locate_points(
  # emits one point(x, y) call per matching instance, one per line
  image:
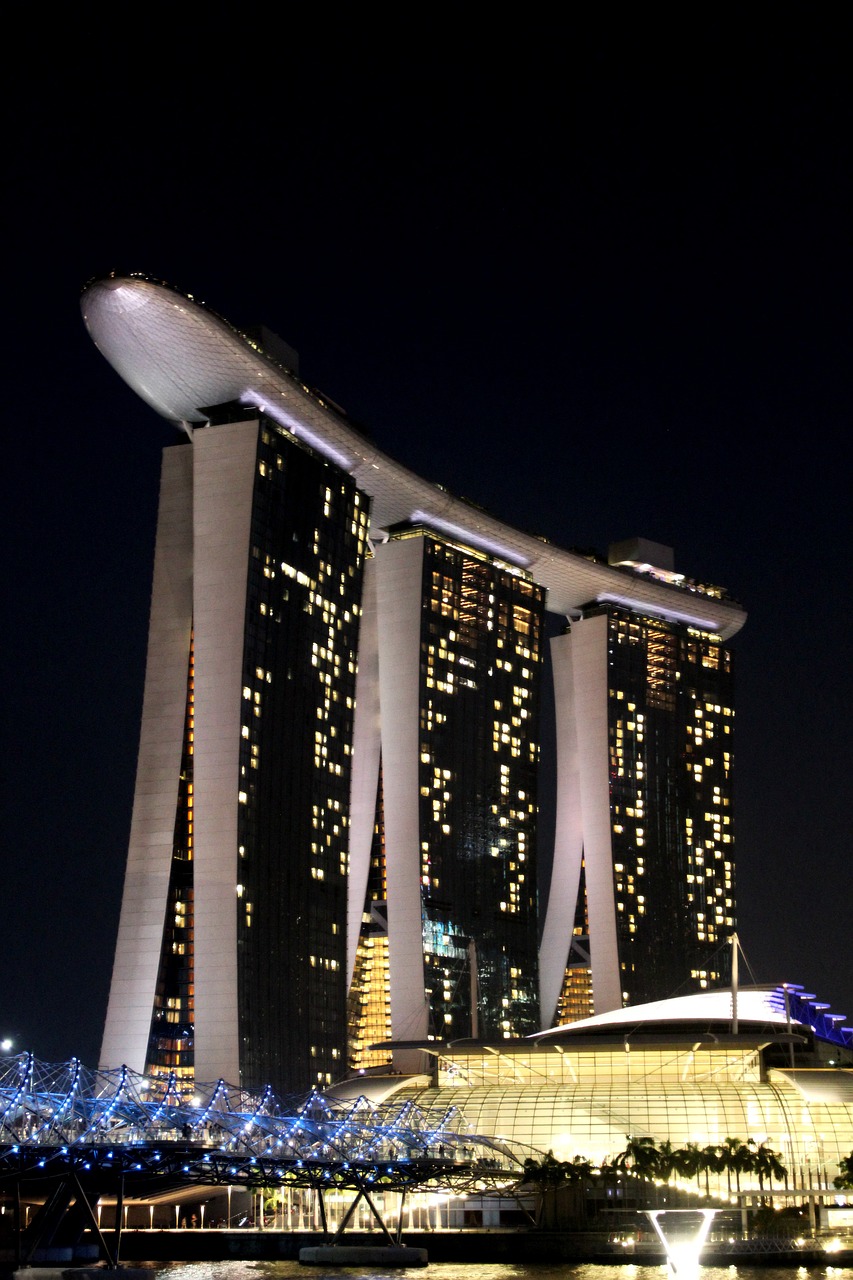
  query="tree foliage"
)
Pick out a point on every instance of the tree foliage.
point(661, 1162)
point(551, 1172)
point(844, 1181)
point(644, 1158)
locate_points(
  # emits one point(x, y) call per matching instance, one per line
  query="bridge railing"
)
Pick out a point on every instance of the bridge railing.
point(66, 1105)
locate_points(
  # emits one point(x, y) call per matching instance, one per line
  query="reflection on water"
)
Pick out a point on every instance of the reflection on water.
point(488, 1271)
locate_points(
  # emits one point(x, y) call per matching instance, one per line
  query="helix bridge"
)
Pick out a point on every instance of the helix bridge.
point(77, 1134)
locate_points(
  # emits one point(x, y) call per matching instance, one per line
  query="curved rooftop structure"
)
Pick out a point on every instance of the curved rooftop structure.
point(754, 1005)
point(182, 359)
point(775, 1007)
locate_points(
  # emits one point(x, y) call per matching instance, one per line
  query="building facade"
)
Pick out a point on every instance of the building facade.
point(264, 633)
point(334, 838)
point(672, 1072)
point(448, 717)
point(646, 716)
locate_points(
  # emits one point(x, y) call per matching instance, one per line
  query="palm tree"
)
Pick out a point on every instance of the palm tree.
point(727, 1156)
point(582, 1169)
point(713, 1161)
point(640, 1155)
point(737, 1158)
point(639, 1158)
point(844, 1181)
point(688, 1161)
point(768, 1165)
point(544, 1174)
point(667, 1161)
point(549, 1174)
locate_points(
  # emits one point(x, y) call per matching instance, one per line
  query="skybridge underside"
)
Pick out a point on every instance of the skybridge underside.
point(63, 1180)
point(148, 1171)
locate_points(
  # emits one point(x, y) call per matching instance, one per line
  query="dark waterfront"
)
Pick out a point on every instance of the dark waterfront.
point(480, 1271)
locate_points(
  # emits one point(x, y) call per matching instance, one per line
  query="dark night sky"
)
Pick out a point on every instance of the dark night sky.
point(596, 278)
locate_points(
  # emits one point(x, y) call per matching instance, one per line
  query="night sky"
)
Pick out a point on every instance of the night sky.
point(596, 278)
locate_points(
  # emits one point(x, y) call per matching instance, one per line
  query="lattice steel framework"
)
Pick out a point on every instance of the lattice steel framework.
point(66, 1114)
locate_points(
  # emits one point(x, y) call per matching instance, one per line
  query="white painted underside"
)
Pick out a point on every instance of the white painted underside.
point(181, 358)
point(753, 1005)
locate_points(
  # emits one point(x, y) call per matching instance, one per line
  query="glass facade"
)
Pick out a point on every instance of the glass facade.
point(170, 1042)
point(369, 1009)
point(575, 1000)
point(308, 540)
point(584, 1100)
point(481, 623)
point(481, 635)
point(670, 726)
point(658, 805)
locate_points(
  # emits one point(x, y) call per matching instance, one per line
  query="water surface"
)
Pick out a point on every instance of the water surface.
point(484, 1271)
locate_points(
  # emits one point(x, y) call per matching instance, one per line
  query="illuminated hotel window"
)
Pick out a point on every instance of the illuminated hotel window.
point(481, 639)
point(301, 642)
point(171, 1037)
point(677, 684)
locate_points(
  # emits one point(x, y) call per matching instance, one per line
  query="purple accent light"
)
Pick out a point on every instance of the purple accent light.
point(297, 428)
point(656, 610)
point(476, 539)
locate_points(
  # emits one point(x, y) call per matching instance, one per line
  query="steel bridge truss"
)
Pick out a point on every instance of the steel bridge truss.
point(81, 1134)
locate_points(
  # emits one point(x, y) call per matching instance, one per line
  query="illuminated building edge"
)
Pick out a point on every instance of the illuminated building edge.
point(672, 1070)
point(178, 356)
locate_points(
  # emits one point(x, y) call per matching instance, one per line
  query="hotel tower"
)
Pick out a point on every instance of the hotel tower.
point(333, 848)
